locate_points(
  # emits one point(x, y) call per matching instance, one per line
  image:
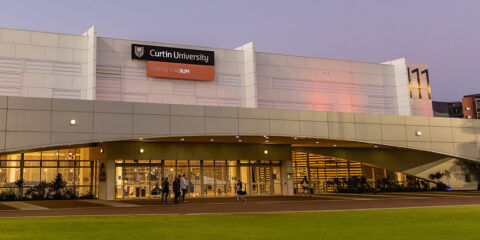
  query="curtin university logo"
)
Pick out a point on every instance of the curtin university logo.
point(139, 51)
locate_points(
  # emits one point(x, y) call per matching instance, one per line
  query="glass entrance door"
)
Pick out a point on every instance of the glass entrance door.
point(135, 182)
point(261, 180)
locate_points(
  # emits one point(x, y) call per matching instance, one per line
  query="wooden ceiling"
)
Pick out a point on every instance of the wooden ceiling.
point(295, 142)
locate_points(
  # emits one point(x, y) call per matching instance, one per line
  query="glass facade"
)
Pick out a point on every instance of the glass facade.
point(75, 165)
point(205, 178)
point(320, 169)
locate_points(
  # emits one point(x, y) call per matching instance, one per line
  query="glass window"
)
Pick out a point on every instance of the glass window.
point(207, 162)
point(14, 157)
point(194, 162)
point(82, 153)
point(68, 175)
point(49, 163)
point(67, 154)
point(67, 163)
point(220, 163)
point(170, 163)
point(8, 176)
point(31, 176)
point(50, 155)
point(32, 156)
point(48, 174)
point(32, 164)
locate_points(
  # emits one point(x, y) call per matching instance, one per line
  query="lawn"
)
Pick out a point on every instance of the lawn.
point(415, 223)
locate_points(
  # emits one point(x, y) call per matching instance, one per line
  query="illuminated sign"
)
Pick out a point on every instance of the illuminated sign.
point(178, 63)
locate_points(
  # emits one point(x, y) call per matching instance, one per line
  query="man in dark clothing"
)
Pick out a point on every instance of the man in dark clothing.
point(165, 190)
point(176, 189)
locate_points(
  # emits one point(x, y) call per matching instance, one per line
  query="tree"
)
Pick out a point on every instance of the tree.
point(20, 183)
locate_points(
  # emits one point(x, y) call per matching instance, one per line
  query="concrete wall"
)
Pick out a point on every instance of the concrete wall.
point(40, 122)
point(294, 82)
point(120, 78)
point(40, 64)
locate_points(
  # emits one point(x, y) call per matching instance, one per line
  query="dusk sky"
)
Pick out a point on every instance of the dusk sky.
point(443, 34)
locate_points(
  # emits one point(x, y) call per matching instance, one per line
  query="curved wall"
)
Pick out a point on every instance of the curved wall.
point(27, 123)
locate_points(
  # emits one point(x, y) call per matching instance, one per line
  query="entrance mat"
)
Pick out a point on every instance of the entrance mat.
point(55, 204)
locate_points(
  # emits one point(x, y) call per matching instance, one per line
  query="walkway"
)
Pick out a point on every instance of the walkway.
point(328, 201)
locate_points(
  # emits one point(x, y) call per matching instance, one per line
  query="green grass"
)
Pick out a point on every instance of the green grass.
point(416, 223)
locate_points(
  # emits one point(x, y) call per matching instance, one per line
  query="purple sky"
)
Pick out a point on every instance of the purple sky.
point(443, 34)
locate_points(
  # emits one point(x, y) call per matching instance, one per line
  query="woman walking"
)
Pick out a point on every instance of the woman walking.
point(239, 192)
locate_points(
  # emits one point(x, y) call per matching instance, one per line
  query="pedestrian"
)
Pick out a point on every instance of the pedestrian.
point(305, 184)
point(176, 189)
point(240, 192)
point(165, 190)
point(183, 186)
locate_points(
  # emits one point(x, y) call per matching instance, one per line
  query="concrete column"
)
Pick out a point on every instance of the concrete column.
point(287, 177)
point(106, 189)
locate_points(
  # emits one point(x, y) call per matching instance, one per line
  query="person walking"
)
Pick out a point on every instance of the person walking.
point(183, 186)
point(176, 189)
point(305, 184)
point(165, 190)
point(239, 191)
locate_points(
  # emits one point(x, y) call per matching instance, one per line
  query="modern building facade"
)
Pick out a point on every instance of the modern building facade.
point(471, 106)
point(115, 116)
point(447, 109)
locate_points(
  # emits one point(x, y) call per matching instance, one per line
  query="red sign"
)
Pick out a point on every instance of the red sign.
point(180, 71)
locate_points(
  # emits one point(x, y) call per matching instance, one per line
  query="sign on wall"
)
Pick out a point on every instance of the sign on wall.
point(179, 63)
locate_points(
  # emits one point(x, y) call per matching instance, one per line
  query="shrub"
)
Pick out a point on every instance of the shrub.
point(88, 195)
point(8, 196)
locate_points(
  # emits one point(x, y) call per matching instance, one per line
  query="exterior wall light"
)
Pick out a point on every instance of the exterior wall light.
point(376, 146)
point(237, 136)
point(239, 140)
point(418, 133)
point(265, 151)
point(141, 150)
point(211, 140)
point(101, 150)
point(334, 145)
point(73, 122)
point(316, 142)
point(266, 141)
point(181, 139)
point(295, 138)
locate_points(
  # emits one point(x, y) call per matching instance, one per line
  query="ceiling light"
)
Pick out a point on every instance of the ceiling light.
point(418, 133)
point(265, 151)
point(73, 122)
point(237, 136)
point(141, 150)
point(266, 137)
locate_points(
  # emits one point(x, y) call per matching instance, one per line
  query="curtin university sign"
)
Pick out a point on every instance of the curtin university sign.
point(173, 55)
point(178, 63)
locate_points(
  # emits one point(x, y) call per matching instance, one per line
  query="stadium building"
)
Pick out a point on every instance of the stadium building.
point(114, 116)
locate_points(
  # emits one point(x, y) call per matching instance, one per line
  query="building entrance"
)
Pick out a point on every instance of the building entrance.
point(205, 178)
